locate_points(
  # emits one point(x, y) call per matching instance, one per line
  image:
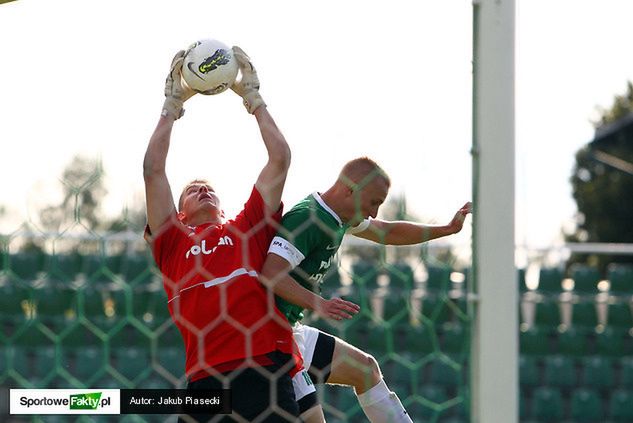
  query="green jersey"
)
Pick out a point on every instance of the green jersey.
point(310, 235)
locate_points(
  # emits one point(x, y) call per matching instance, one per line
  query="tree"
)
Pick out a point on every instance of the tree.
point(602, 188)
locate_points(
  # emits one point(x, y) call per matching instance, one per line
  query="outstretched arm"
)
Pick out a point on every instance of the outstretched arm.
point(275, 275)
point(272, 178)
point(408, 233)
point(159, 199)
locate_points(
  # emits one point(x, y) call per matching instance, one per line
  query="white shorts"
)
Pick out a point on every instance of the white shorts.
point(306, 338)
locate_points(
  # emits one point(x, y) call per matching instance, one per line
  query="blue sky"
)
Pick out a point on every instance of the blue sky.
point(343, 79)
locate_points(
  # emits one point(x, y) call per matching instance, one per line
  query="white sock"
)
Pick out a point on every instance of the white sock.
point(383, 406)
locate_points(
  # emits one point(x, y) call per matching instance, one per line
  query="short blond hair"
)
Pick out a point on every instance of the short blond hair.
point(361, 171)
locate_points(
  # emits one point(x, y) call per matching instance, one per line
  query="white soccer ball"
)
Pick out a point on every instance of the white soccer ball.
point(209, 67)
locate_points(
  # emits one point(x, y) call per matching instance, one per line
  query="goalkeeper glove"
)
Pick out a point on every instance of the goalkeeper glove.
point(175, 93)
point(248, 86)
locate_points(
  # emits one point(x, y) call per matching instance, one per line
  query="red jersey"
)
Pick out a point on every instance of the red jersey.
point(210, 274)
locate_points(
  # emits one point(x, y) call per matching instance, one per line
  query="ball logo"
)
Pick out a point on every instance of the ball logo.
point(219, 58)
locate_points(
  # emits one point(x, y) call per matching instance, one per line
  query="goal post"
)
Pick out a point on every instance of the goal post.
point(494, 352)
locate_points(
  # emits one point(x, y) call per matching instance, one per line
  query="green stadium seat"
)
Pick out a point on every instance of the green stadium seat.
point(547, 404)
point(550, 281)
point(400, 277)
point(573, 341)
point(56, 303)
point(347, 402)
point(16, 302)
point(138, 269)
point(395, 308)
point(620, 409)
point(559, 371)
point(446, 374)
point(365, 274)
point(547, 314)
point(534, 341)
point(428, 405)
point(437, 309)
point(454, 339)
point(131, 362)
point(597, 372)
point(63, 267)
point(420, 340)
point(621, 279)
point(439, 278)
point(528, 371)
point(586, 406)
point(610, 342)
point(171, 359)
point(87, 362)
point(523, 288)
point(379, 340)
point(16, 359)
point(620, 315)
point(626, 372)
point(26, 266)
point(585, 278)
point(44, 361)
point(584, 314)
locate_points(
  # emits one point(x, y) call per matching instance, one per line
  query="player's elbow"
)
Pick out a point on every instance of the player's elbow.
point(282, 157)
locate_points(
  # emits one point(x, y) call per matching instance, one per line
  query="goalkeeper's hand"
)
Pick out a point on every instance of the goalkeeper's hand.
point(175, 92)
point(248, 86)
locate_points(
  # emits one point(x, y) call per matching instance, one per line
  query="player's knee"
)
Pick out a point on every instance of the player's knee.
point(370, 374)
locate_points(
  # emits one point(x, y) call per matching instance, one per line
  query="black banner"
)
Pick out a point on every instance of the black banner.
point(175, 401)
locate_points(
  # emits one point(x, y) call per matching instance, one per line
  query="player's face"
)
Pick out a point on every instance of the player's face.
point(368, 199)
point(199, 198)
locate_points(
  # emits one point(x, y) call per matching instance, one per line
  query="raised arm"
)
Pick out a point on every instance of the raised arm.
point(408, 233)
point(158, 195)
point(275, 275)
point(272, 178)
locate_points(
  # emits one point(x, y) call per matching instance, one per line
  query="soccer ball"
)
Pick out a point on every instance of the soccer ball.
point(209, 67)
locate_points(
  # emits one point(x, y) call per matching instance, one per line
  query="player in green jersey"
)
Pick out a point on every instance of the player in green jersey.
point(303, 250)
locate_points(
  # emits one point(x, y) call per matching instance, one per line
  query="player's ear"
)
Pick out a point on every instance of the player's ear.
point(181, 217)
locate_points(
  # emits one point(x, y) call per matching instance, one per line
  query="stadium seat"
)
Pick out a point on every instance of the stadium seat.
point(586, 406)
point(597, 372)
point(439, 278)
point(620, 315)
point(620, 409)
point(445, 374)
point(63, 267)
point(550, 281)
point(534, 341)
point(523, 288)
point(16, 359)
point(43, 361)
point(559, 371)
point(547, 315)
point(26, 266)
point(528, 371)
point(626, 372)
point(610, 342)
point(379, 340)
point(573, 341)
point(16, 302)
point(429, 403)
point(89, 362)
point(137, 269)
point(620, 277)
point(56, 303)
point(584, 314)
point(585, 278)
point(395, 307)
point(420, 339)
point(131, 362)
point(171, 359)
point(454, 339)
point(365, 274)
point(547, 404)
point(437, 309)
point(400, 277)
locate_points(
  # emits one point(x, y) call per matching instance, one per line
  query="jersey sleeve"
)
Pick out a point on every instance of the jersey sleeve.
point(362, 226)
point(253, 220)
point(165, 239)
point(297, 237)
